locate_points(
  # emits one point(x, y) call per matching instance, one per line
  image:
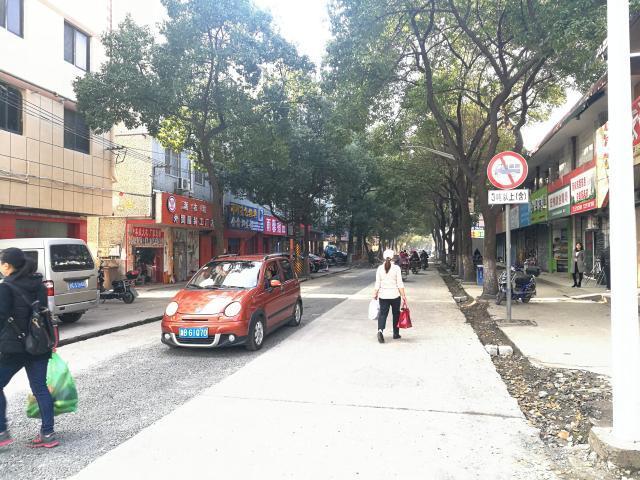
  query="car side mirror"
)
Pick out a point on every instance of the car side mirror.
point(275, 284)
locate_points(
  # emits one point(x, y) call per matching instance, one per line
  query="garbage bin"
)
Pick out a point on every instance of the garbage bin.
point(480, 275)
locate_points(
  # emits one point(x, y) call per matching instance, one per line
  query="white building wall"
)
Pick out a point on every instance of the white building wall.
point(38, 56)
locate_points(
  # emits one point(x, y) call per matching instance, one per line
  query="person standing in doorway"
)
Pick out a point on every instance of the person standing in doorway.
point(578, 265)
point(389, 290)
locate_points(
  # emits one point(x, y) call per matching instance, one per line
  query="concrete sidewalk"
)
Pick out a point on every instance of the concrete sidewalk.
point(332, 403)
point(558, 328)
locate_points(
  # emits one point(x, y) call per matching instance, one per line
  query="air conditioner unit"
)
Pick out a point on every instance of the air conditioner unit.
point(184, 184)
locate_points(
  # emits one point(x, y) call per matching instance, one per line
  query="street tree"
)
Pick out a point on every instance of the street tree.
point(484, 67)
point(191, 85)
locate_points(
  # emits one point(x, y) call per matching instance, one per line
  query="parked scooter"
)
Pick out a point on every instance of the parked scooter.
point(120, 289)
point(523, 286)
point(531, 265)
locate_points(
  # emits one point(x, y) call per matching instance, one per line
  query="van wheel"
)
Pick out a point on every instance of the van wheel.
point(255, 339)
point(70, 317)
point(297, 315)
point(128, 297)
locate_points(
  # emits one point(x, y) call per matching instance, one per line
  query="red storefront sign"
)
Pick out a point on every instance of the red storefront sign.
point(185, 212)
point(273, 226)
point(145, 236)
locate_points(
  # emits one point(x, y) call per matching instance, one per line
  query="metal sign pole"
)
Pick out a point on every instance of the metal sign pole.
point(625, 335)
point(508, 260)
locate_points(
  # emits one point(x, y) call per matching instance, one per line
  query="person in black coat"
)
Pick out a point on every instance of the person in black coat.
point(18, 270)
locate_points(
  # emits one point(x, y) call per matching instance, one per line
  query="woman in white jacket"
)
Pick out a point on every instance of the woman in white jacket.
point(389, 290)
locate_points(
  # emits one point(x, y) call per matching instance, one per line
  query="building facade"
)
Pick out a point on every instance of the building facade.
point(54, 173)
point(162, 212)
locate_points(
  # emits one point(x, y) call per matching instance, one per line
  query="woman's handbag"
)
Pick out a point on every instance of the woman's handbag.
point(374, 309)
point(405, 317)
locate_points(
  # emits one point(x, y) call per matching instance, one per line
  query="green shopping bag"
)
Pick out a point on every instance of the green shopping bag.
point(62, 388)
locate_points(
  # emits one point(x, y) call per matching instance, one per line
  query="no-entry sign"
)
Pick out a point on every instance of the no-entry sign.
point(507, 170)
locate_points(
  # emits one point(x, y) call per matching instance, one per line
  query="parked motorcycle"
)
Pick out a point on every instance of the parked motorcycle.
point(531, 266)
point(120, 289)
point(523, 286)
point(415, 266)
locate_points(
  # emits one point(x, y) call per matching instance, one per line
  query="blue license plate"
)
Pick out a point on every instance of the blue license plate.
point(77, 284)
point(199, 332)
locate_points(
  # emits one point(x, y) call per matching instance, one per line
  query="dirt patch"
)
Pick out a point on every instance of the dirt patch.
point(562, 404)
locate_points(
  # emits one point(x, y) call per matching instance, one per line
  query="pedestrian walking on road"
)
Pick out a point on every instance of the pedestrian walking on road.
point(389, 290)
point(578, 265)
point(20, 271)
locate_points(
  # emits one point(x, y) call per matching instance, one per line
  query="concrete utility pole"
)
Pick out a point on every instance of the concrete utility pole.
point(625, 333)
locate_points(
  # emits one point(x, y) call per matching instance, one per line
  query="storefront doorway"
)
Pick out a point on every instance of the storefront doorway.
point(150, 261)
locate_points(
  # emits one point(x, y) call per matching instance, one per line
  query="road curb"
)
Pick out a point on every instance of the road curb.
point(107, 331)
point(326, 274)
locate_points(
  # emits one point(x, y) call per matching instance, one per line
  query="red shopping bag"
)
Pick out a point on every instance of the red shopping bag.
point(405, 317)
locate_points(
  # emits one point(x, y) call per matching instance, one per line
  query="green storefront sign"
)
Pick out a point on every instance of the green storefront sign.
point(559, 203)
point(539, 212)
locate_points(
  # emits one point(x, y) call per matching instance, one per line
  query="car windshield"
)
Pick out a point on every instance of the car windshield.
point(227, 274)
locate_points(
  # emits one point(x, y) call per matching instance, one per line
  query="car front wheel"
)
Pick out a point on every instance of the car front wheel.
point(256, 334)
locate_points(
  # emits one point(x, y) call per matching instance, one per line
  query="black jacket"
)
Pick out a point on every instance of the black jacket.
point(12, 305)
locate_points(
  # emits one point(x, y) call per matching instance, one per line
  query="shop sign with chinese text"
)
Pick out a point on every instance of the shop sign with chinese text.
point(602, 164)
point(273, 226)
point(559, 202)
point(140, 236)
point(514, 217)
point(525, 214)
point(477, 229)
point(539, 212)
point(583, 192)
point(184, 212)
point(245, 217)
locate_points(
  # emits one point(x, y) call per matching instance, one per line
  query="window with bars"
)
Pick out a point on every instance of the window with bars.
point(171, 162)
point(10, 108)
point(11, 16)
point(198, 176)
point(76, 132)
point(76, 47)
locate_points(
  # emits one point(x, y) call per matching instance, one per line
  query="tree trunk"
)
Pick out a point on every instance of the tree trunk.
point(350, 241)
point(466, 268)
point(218, 208)
point(489, 255)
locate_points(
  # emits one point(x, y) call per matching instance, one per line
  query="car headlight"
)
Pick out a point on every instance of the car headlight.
point(232, 309)
point(171, 309)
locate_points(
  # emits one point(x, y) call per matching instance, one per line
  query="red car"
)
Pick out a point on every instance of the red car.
point(234, 300)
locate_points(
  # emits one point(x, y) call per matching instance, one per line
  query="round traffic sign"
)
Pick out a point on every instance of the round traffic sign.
point(507, 170)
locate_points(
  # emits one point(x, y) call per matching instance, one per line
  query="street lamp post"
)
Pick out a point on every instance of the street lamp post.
point(625, 332)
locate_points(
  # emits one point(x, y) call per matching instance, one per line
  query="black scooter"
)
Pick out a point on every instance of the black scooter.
point(120, 289)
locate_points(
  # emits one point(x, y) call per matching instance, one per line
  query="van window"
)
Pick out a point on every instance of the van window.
point(70, 258)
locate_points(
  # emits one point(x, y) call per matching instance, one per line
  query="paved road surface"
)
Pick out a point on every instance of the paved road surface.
point(128, 380)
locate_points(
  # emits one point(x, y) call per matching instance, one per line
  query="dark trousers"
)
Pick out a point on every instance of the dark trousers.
point(577, 276)
point(394, 303)
point(37, 374)
point(607, 273)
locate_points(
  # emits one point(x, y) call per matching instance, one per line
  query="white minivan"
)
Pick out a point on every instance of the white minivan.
point(69, 272)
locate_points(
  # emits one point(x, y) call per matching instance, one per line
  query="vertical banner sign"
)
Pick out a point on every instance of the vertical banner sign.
point(559, 202)
point(602, 164)
point(635, 112)
point(539, 212)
